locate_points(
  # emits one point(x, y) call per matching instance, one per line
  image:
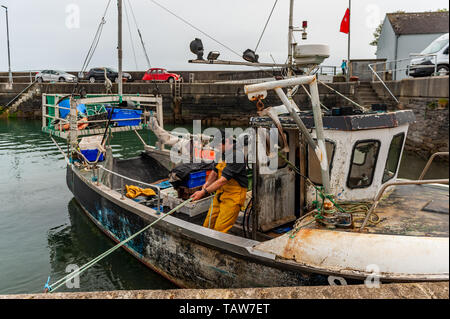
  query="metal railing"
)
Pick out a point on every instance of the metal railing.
point(420, 181)
point(381, 80)
point(327, 70)
point(418, 66)
point(427, 166)
point(18, 95)
point(387, 185)
point(122, 178)
point(59, 125)
point(387, 70)
point(30, 76)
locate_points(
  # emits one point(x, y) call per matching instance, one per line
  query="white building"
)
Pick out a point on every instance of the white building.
point(403, 34)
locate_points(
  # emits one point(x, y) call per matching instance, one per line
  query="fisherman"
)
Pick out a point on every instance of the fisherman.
point(229, 181)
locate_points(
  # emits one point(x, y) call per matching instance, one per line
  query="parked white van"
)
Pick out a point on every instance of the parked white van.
point(437, 50)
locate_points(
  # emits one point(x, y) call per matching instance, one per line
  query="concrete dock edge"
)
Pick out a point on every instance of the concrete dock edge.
point(437, 290)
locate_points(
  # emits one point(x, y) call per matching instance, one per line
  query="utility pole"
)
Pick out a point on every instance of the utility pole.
point(119, 49)
point(349, 28)
point(9, 55)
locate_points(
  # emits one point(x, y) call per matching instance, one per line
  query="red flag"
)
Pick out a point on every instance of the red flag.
point(345, 24)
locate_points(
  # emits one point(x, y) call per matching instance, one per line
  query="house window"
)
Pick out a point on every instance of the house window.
point(393, 158)
point(362, 167)
point(314, 171)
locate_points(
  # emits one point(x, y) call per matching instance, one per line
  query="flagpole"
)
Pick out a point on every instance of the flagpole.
point(349, 27)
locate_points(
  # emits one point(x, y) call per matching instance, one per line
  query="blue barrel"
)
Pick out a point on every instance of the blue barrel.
point(66, 104)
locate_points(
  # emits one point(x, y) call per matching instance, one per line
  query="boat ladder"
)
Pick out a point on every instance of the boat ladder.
point(177, 89)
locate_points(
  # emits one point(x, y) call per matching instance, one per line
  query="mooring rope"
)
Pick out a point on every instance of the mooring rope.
point(362, 108)
point(265, 26)
point(59, 283)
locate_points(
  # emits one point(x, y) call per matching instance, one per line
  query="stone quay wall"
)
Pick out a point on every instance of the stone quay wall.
point(219, 104)
point(428, 98)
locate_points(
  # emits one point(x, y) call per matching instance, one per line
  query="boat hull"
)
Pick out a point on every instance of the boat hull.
point(186, 261)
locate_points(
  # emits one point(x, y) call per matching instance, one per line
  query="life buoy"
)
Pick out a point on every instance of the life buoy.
point(82, 124)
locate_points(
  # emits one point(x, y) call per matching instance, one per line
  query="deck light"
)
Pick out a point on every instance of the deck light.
point(213, 55)
point(197, 48)
point(250, 56)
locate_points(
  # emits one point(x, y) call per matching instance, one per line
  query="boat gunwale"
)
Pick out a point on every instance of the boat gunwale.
point(238, 246)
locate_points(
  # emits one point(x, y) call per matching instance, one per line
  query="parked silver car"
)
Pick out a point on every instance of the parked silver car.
point(55, 76)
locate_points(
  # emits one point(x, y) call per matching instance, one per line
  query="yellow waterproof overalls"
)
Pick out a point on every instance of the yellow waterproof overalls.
point(227, 203)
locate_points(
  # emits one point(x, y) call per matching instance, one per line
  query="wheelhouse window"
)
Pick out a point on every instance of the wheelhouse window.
point(362, 167)
point(393, 159)
point(314, 171)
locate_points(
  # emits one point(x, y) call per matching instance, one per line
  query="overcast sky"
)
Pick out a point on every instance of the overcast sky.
point(58, 33)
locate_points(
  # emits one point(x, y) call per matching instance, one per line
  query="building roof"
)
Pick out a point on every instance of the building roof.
point(419, 22)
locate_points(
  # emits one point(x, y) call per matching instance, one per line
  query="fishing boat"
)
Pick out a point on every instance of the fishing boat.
point(325, 205)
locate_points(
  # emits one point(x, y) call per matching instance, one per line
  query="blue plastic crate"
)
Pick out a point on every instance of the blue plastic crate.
point(91, 155)
point(196, 179)
point(121, 114)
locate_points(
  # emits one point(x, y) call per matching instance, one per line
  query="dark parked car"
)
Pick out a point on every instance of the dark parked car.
point(98, 74)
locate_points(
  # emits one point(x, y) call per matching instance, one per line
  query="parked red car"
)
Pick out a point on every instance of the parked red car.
point(157, 74)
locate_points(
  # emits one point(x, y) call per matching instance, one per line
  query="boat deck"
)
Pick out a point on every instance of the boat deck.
point(412, 210)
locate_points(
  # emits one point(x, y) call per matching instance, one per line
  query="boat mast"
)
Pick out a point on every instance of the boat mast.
point(119, 48)
point(318, 122)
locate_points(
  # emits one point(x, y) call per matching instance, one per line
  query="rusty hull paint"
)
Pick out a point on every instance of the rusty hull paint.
point(406, 235)
point(350, 253)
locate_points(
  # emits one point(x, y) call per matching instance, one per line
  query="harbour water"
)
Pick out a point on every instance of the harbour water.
point(43, 230)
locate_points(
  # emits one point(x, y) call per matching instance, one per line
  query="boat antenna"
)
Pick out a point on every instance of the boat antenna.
point(290, 37)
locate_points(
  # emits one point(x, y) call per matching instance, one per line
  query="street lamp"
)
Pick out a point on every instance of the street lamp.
point(9, 56)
